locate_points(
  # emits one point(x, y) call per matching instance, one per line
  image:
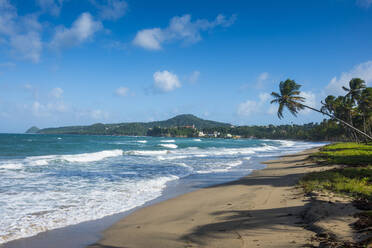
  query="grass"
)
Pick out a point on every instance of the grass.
point(354, 180)
point(345, 154)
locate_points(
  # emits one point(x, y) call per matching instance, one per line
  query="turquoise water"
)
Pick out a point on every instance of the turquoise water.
point(52, 181)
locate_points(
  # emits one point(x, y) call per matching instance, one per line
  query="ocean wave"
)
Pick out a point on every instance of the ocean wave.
point(147, 152)
point(168, 141)
point(287, 143)
point(226, 167)
point(67, 209)
point(142, 141)
point(172, 146)
point(161, 158)
point(200, 152)
point(46, 160)
point(197, 140)
point(11, 166)
point(91, 157)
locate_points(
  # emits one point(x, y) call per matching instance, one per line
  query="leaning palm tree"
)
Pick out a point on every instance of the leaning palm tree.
point(365, 106)
point(289, 97)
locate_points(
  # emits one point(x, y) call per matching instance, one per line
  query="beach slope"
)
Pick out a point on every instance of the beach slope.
point(264, 209)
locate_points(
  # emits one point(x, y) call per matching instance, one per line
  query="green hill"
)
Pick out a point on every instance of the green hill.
point(135, 128)
point(33, 130)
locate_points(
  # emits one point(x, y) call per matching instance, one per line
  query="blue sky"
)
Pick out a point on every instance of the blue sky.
point(70, 62)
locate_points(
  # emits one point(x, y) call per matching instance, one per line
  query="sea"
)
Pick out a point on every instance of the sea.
point(53, 181)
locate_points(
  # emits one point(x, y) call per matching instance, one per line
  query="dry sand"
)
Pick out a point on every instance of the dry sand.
point(264, 209)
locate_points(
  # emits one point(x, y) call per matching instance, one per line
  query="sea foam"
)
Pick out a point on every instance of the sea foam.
point(172, 146)
point(168, 141)
point(53, 209)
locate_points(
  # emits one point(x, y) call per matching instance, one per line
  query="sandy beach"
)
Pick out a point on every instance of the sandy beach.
point(264, 209)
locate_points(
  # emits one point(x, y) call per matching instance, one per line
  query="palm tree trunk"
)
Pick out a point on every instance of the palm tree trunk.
point(342, 121)
point(353, 133)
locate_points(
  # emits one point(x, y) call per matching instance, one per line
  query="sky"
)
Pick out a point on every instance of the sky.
point(79, 62)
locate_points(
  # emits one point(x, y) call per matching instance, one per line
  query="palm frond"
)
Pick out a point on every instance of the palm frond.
point(280, 111)
point(274, 94)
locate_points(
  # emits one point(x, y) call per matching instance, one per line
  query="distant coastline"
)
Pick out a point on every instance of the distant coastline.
point(191, 126)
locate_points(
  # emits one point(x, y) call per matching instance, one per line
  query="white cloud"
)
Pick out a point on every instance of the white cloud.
point(272, 109)
point(166, 81)
point(98, 114)
point(28, 86)
point(56, 92)
point(363, 71)
point(20, 33)
point(263, 76)
point(27, 46)
point(194, 77)
point(112, 10)
point(247, 108)
point(264, 97)
point(122, 91)
point(46, 110)
point(51, 6)
point(250, 107)
point(364, 3)
point(37, 108)
point(259, 84)
point(150, 39)
point(310, 100)
point(83, 29)
point(179, 28)
point(261, 79)
point(8, 16)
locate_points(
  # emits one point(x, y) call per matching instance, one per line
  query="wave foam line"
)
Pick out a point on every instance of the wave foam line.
point(73, 158)
point(172, 146)
point(92, 157)
point(168, 141)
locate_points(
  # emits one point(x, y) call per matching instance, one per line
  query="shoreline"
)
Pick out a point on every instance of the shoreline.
point(85, 233)
point(263, 209)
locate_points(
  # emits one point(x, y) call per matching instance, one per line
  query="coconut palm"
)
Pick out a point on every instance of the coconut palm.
point(329, 105)
point(289, 97)
point(365, 106)
point(356, 86)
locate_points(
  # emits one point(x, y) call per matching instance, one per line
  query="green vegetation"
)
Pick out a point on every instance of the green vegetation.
point(327, 130)
point(32, 130)
point(172, 132)
point(355, 179)
point(356, 182)
point(345, 154)
point(353, 111)
point(135, 128)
